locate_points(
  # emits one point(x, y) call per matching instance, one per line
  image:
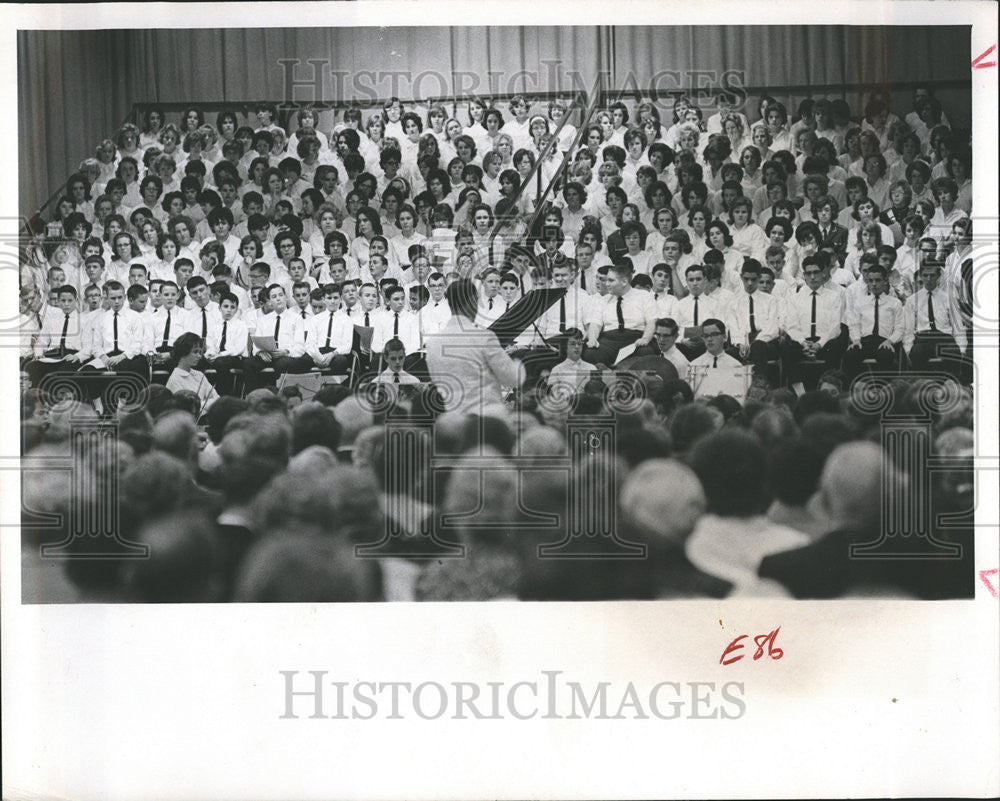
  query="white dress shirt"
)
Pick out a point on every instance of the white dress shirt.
point(51, 334)
point(946, 318)
point(131, 334)
point(678, 360)
point(406, 329)
point(156, 327)
point(237, 338)
point(291, 336)
point(861, 318)
point(197, 322)
point(765, 314)
point(802, 324)
point(329, 329)
point(637, 310)
point(434, 316)
point(578, 309)
point(684, 311)
point(722, 360)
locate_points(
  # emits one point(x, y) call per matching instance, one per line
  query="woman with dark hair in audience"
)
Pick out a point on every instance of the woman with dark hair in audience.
point(189, 350)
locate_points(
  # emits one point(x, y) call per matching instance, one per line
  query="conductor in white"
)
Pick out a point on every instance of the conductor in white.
point(466, 362)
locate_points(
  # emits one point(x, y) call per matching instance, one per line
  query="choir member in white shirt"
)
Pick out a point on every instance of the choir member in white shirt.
point(60, 337)
point(436, 313)
point(394, 356)
point(202, 314)
point(813, 322)
point(398, 323)
point(491, 305)
point(875, 325)
point(163, 327)
point(626, 316)
point(933, 327)
point(666, 333)
point(285, 326)
point(715, 356)
point(663, 301)
point(329, 335)
point(120, 336)
point(753, 319)
point(227, 343)
point(573, 372)
point(691, 311)
point(748, 237)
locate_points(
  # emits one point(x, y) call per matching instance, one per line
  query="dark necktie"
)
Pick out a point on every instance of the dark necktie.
point(115, 333)
point(930, 311)
point(277, 328)
point(753, 321)
point(204, 324)
point(65, 331)
point(303, 315)
point(395, 326)
point(222, 342)
point(491, 304)
point(329, 329)
point(696, 310)
point(562, 314)
point(715, 361)
point(812, 322)
point(366, 320)
point(875, 327)
point(395, 378)
point(166, 332)
point(621, 316)
point(583, 280)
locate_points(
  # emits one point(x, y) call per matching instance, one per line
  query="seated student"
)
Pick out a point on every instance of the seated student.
point(573, 372)
point(626, 316)
point(663, 299)
point(813, 323)
point(120, 338)
point(691, 311)
point(163, 328)
point(60, 337)
point(436, 313)
point(394, 356)
point(398, 323)
point(714, 334)
point(226, 346)
point(285, 326)
point(330, 334)
point(666, 333)
point(418, 295)
point(202, 313)
point(183, 271)
point(748, 238)
point(491, 305)
point(224, 273)
point(300, 301)
point(753, 319)
point(316, 303)
point(933, 327)
point(189, 350)
point(875, 325)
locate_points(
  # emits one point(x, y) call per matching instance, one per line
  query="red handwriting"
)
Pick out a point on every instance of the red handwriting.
point(989, 585)
point(761, 640)
point(979, 64)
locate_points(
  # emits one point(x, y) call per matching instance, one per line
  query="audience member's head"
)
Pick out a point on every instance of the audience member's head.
point(732, 468)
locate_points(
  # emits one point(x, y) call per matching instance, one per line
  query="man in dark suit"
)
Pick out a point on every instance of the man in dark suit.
point(850, 498)
point(831, 234)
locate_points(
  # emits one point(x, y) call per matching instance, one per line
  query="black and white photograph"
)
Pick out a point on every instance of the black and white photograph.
point(637, 325)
